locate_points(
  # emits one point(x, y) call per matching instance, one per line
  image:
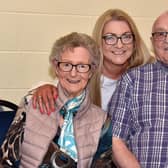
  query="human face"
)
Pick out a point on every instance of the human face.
point(161, 46)
point(73, 81)
point(118, 53)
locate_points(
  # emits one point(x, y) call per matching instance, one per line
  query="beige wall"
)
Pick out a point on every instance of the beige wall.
point(29, 27)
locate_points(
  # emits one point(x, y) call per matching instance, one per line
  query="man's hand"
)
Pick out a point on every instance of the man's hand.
point(44, 98)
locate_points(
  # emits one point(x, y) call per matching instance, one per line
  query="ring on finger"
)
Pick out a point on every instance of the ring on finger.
point(39, 97)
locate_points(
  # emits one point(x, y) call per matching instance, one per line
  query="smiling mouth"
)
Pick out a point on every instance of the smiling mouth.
point(118, 52)
point(73, 81)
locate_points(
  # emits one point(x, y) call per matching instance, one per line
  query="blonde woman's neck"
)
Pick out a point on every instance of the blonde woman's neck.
point(114, 71)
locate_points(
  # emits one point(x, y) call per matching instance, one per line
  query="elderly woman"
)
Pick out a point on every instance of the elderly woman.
point(70, 137)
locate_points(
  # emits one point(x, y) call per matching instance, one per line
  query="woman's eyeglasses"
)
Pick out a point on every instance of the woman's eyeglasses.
point(67, 67)
point(112, 39)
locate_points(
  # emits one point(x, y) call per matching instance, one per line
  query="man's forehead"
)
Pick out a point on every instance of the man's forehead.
point(161, 23)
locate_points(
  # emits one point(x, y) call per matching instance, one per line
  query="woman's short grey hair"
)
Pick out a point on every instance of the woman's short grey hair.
point(73, 40)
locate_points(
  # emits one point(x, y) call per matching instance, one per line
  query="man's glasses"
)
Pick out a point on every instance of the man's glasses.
point(67, 67)
point(112, 39)
point(159, 36)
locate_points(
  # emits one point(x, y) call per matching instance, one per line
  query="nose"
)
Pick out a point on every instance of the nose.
point(73, 72)
point(119, 43)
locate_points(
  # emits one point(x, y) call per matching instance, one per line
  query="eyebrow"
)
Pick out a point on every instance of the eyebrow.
point(159, 29)
point(129, 32)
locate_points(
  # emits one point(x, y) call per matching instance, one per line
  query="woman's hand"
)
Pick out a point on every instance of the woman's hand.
point(44, 98)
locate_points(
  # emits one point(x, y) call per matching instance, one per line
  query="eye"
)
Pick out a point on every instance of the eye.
point(127, 36)
point(82, 66)
point(110, 37)
point(159, 34)
point(66, 64)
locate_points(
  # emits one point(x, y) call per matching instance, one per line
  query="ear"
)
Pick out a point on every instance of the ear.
point(93, 70)
point(90, 74)
point(151, 39)
point(56, 70)
point(54, 62)
point(55, 67)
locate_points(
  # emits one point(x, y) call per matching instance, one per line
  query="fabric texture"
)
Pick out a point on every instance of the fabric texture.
point(108, 87)
point(6, 118)
point(10, 148)
point(41, 129)
point(103, 156)
point(66, 140)
point(139, 109)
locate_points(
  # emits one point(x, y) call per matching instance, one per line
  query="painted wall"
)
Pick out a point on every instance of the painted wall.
point(29, 27)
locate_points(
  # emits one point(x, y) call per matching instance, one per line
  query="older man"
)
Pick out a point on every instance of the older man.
point(139, 108)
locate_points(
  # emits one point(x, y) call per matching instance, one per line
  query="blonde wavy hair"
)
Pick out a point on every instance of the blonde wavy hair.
point(140, 54)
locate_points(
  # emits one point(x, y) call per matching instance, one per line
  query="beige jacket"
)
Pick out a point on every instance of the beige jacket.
point(41, 129)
